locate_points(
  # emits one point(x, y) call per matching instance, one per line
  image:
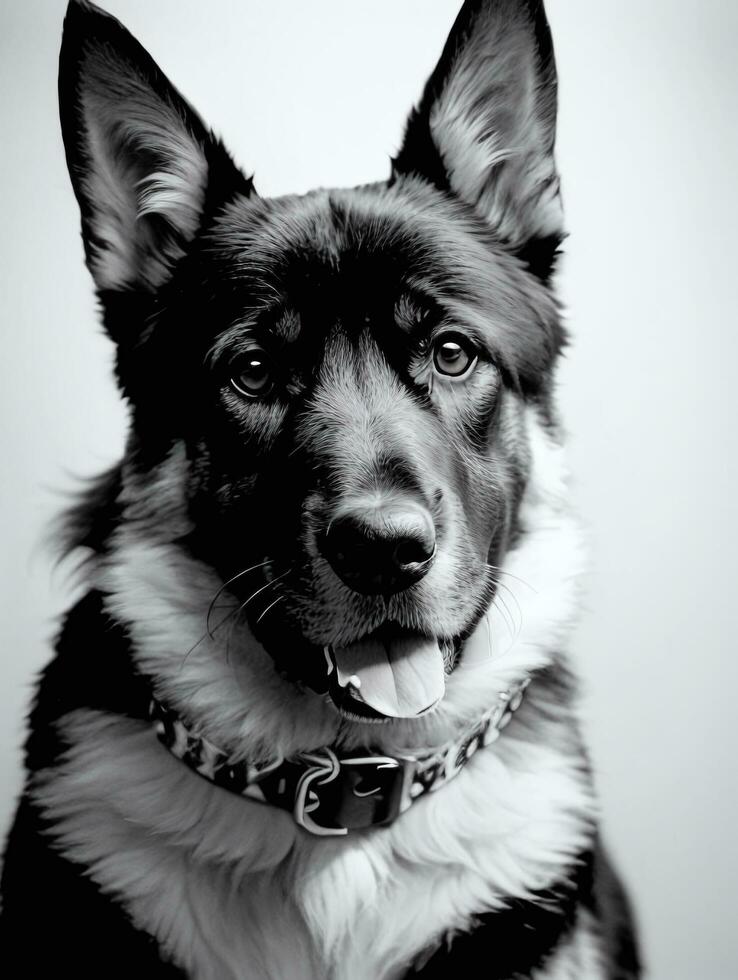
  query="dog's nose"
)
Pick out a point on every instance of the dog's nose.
point(380, 549)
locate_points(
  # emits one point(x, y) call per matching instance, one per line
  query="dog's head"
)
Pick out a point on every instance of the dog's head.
point(346, 373)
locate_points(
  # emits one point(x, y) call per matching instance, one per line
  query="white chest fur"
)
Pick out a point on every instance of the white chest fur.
point(233, 890)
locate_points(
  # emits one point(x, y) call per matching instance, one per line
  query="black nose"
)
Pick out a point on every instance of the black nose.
point(380, 549)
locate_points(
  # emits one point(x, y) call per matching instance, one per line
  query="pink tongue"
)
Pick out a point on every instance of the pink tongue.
point(399, 678)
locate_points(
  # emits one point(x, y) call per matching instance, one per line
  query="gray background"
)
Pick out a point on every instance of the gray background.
point(316, 93)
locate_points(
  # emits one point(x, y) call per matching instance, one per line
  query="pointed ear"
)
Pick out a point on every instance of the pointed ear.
point(142, 163)
point(485, 126)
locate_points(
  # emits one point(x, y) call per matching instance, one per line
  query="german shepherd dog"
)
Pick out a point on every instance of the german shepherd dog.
point(311, 717)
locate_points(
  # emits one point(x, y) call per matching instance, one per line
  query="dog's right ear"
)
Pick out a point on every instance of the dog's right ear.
point(143, 164)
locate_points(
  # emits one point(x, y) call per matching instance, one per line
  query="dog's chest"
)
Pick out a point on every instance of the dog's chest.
point(218, 928)
point(232, 890)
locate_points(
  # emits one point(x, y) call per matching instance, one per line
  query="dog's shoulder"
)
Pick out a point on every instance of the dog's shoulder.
point(92, 668)
point(581, 927)
point(53, 913)
point(55, 918)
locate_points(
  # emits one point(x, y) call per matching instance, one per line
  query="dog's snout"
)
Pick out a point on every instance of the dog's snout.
point(381, 548)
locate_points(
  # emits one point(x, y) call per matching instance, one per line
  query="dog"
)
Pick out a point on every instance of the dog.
point(312, 716)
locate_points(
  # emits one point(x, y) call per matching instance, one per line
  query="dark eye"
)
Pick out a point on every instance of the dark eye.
point(251, 373)
point(453, 355)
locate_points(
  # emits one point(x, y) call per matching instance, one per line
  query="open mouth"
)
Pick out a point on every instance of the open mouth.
point(390, 673)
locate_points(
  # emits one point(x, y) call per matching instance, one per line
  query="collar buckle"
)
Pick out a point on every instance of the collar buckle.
point(337, 795)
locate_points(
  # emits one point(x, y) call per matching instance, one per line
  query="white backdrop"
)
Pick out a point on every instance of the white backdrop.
point(316, 93)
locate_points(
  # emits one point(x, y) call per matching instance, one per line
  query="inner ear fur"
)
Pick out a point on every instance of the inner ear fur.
point(140, 158)
point(485, 127)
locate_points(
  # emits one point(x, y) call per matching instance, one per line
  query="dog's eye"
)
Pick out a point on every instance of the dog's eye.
point(453, 355)
point(251, 373)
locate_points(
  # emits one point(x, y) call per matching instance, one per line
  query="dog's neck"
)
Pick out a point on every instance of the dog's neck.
point(328, 793)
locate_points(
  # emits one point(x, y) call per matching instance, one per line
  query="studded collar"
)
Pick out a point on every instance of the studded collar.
point(328, 792)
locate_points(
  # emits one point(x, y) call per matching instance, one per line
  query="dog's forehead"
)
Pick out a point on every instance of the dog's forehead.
point(354, 255)
point(372, 236)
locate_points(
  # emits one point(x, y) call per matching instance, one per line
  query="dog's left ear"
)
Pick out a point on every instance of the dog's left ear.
point(141, 160)
point(485, 127)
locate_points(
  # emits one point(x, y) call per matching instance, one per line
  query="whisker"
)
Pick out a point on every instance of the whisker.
point(509, 623)
point(224, 586)
point(514, 598)
point(501, 571)
point(235, 609)
point(270, 606)
point(209, 634)
point(514, 628)
point(264, 587)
